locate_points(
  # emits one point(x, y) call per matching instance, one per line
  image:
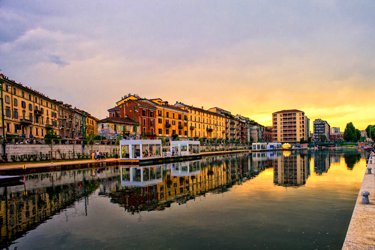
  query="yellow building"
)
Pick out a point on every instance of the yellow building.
point(91, 124)
point(290, 126)
point(170, 120)
point(26, 111)
point(203, 123)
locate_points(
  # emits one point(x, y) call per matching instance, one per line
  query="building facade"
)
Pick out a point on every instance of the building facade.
point(290, 126)
point(140, 111)
point(336, 134)
point(113, 127)
point(171, 121)
point(91, 124)
point(230, 123)
point(321, 131)
point(204, 123)
point(27, 113)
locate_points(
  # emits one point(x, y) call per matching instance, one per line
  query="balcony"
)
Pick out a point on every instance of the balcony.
point(25, 122)
point(38, 112)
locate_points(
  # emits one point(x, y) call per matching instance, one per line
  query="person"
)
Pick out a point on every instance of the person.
point(97, 155)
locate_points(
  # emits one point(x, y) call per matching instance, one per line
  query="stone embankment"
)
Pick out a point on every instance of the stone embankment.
point(361, 232)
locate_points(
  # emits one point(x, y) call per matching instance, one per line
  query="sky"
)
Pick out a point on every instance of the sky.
point(249, 57)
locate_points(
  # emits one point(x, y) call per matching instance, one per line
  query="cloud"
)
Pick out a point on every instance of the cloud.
point(250, 57)
point(58, 60)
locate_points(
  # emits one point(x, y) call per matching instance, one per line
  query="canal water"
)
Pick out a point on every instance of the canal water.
point(271, 200)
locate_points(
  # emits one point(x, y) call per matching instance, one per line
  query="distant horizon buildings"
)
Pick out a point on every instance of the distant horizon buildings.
point(322, 130)
point(290, 126)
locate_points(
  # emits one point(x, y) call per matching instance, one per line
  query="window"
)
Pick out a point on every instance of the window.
point(160, 131)
point(167, 114)
point(167, 131)
point(14, 91)
point(143, 112)
point(159, 113)
point(7, 99)
point(29, 97)
point(23, 104)
point(179, 117)
point(173, 122)
point(160, 121)
point(15, 114)
point(7, 112)
point(31, 116)
point(151, 114)
point(144, 122)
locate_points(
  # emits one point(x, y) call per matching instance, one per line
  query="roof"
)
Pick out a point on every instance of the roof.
point(166, 105)
point(118, 120)
point(288, 111)
point(117, 108)
point(199, 109)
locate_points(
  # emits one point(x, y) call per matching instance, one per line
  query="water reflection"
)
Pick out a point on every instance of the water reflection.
point(291, 170)
point(152, 188)
point(351, 159)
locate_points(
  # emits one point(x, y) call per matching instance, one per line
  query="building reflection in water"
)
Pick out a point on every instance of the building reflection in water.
point(322, 162)
point(181, 182)
point(137, 189)
point(291, 170)
point(24, 207)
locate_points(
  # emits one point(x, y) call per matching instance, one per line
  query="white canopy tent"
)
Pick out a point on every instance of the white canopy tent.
point(140, 149)
point(185, 148)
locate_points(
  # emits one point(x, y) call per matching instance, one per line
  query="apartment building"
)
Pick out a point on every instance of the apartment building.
point(204, 123)
point(290, 126)
point(27, 112)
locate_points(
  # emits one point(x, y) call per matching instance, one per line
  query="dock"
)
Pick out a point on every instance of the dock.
point(361, 232)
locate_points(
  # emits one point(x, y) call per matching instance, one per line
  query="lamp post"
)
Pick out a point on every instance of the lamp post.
point(2, 120)
point(135, 122)
point(83, 131)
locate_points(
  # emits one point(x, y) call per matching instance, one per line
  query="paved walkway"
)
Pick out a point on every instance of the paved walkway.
point(361, 232)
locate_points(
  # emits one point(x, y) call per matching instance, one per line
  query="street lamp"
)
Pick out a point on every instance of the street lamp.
point(135, 122)
point(2, 120)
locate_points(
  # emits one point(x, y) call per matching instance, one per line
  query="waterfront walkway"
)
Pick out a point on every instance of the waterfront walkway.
point(20, 168)
point(361, 232)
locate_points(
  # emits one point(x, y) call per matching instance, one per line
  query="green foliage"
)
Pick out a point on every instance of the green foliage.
point(90, 139)
point(370, 130)
point(50, 135)
point(118, 139)
point(351, 134)
point(175, 137)
point(99, 137)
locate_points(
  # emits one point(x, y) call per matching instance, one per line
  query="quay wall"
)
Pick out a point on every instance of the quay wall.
point(361, 231)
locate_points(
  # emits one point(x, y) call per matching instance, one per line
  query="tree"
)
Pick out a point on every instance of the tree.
point(370, 130)
point(351, 133)
point(50, 135)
